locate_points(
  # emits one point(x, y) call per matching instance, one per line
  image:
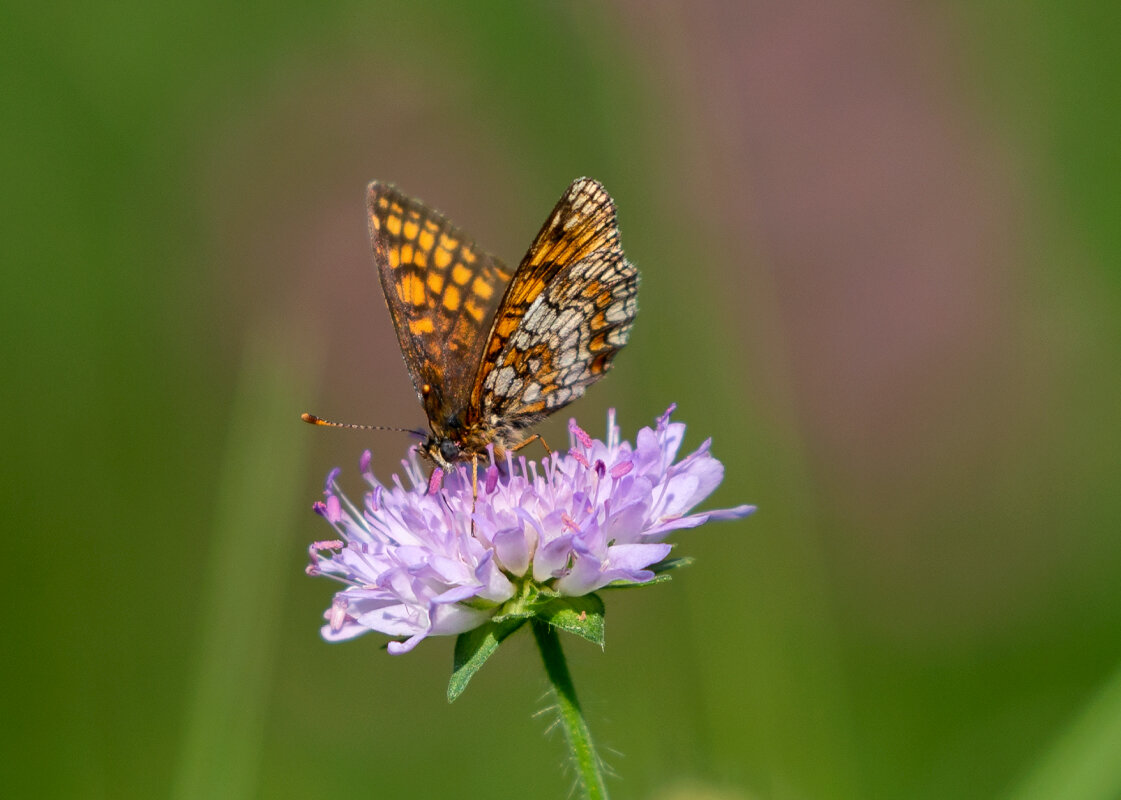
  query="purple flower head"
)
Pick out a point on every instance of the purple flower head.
point(418, 562)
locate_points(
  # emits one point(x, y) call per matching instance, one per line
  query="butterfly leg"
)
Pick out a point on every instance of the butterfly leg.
point(534, 438)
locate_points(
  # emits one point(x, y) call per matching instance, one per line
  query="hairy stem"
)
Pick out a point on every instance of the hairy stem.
point(576, 732)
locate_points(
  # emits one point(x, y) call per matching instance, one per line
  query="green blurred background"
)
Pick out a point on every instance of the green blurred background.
point(879, 247)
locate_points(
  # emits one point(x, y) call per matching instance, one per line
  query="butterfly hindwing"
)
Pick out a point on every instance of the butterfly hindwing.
point(565, 342)
point(581, 225)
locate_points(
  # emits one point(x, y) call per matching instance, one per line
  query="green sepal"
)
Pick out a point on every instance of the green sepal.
point(582, 616)
point(632, 585)
point(670, 564)
point(473, 648)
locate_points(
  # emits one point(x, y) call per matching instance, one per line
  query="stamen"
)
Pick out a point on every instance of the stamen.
point(312, 567)
point(413, 470)
point(338, 612)
point(580, 434)
point(621, 469)
point(354, 513)
point(313, 554)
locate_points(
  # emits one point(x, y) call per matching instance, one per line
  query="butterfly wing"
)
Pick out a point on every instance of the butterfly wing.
point(442, 292)
point(567, 311)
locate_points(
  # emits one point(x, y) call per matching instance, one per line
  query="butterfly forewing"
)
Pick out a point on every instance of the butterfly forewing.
point(442, 292)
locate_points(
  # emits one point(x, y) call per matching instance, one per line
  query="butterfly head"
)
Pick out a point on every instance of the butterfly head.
point(442, 451)
point(444, 446)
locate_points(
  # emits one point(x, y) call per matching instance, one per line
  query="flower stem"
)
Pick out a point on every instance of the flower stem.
point(576, 731)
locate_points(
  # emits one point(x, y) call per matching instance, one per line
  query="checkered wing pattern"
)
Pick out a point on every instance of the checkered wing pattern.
point(567, 311)
point(442, 292)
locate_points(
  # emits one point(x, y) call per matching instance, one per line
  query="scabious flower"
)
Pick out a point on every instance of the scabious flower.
point(424, 560)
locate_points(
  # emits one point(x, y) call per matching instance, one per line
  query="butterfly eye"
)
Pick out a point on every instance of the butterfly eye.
point(449, 450)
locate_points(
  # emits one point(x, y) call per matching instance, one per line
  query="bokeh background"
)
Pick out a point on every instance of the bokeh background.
point(879, 245)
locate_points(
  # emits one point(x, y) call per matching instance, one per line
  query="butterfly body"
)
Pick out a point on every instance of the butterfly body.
point(492, 351)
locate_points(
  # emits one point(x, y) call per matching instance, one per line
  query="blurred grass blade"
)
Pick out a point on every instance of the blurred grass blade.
point(257, 491)
point(1084, 762)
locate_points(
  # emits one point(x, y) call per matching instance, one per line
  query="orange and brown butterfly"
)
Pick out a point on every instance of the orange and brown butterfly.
point(492, 351)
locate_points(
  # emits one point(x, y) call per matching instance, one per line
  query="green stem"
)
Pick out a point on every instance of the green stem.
point(576, 731)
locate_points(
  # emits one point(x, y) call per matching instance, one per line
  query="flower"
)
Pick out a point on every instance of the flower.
point(427, 560)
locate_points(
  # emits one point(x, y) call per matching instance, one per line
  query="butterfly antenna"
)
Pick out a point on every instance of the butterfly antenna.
point(311, 419)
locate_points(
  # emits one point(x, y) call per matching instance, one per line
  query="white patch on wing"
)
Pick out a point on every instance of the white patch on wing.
point(567, 321)
point(618, 337)
point(502, 380)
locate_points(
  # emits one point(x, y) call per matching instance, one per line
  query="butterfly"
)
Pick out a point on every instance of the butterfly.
point(491, 351)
